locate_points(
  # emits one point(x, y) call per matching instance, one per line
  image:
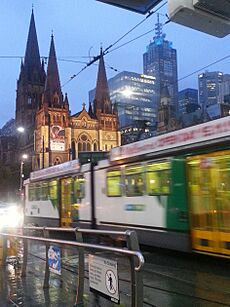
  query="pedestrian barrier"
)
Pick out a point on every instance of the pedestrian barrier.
point(103, 271)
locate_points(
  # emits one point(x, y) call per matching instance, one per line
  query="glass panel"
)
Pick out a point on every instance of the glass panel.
point(38, 191)
point(165, 181)
point(79, 187)
point(44, 188)
point(113, 183)
point(134, 181)
point(158, 178)
point(67, 197)
point(199, 213)
point(153, 183)
point(223, 199)
point(53, 192)
point(32, 195)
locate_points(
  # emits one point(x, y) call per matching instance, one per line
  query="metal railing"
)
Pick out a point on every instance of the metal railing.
point(132, 251)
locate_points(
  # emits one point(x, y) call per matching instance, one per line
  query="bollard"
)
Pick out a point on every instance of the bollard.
point(47, 269)
point(136, 277)
point(12, 245)
point(81, 273)
point(1, 251)
point(25, 254)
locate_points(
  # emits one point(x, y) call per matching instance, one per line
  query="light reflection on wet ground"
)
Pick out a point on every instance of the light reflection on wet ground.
point(170, 280)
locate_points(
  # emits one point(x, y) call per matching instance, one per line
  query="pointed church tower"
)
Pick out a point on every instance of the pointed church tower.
point(53, 95)
point(53, 132)
point(103, 111)
point(102, 102)
point(165, 118)
point(30, 84)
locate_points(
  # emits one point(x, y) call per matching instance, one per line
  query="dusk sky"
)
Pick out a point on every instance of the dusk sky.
point(80, 27)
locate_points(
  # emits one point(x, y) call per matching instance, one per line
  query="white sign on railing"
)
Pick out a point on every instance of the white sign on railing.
point(103, 278)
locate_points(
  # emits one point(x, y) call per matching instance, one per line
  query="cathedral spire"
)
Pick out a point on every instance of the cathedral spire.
point(32, 56)
point(102, 99)
point(53, 94)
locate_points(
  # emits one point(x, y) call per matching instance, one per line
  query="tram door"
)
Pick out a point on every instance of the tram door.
point(66, 201)
point(209, 200)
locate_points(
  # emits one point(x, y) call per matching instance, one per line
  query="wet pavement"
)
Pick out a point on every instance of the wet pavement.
point(170, 280)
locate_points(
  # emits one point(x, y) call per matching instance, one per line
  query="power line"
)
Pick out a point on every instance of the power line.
point(133, 28)
point(132, 40)
point(204, 67)
point(95, 58)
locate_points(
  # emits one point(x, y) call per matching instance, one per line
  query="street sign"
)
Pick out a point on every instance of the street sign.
point(54, 259)
point(103, 278)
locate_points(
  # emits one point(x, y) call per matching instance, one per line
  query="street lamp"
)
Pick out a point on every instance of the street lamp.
point(21, 129)
point(24, 157)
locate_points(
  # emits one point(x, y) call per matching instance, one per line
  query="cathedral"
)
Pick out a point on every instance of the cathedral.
point(53, 135)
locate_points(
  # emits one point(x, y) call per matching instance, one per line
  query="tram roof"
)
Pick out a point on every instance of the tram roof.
point(62, 169)
point(210, 133)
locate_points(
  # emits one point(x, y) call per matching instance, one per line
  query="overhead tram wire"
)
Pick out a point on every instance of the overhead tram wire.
point(204, 67)
point(132, 40)
point(133, 28)
point(95, 58)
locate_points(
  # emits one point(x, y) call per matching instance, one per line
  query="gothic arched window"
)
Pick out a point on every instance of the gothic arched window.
point(57, 160)
point(84, 143)
point(73, 149)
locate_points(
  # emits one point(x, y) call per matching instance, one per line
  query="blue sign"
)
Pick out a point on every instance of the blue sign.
point(54, 259)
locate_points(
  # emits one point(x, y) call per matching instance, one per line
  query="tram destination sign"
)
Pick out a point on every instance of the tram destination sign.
point(56, 170)
point(103, 278)
point(215, 129)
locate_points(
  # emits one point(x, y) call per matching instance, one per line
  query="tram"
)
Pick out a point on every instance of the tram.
point(173, 189)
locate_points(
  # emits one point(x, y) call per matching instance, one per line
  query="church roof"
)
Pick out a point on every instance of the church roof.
point(32, 56)
point(102, 88)
point(53, 86)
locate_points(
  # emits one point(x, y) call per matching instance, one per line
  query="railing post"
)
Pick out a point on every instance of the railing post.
point(47, 270)
point(25, 255)
point(81, 274)
point(4, 246)
point(136, 277)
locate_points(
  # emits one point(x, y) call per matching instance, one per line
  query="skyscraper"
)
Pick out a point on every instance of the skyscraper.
point(210, 94)
point(188, 100)
point(210, 84)
point(135, 98)
point(160, 61)
point(214, 88)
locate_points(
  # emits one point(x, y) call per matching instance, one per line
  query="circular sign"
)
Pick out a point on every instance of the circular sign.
point(111, 282)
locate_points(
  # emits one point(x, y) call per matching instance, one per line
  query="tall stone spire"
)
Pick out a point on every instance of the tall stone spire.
point(53, 95)
point(32, 61)
point(30, 84)
point(102, 101)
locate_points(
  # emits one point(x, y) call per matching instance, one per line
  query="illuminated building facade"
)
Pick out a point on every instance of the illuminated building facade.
point(135, 98)
point(214, 88)
point(52, 135)
point(188, 101)
point(210, 84)
point(160, 61)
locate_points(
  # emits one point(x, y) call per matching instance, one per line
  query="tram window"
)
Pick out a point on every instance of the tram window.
point(67, 197)
point(32, 195)
point(113, 183)
point(134, 181)
point(38, 191)
point(44, 190)
point(158, 178)
point(79, 187)
point(53, 192)
point(224, 167)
